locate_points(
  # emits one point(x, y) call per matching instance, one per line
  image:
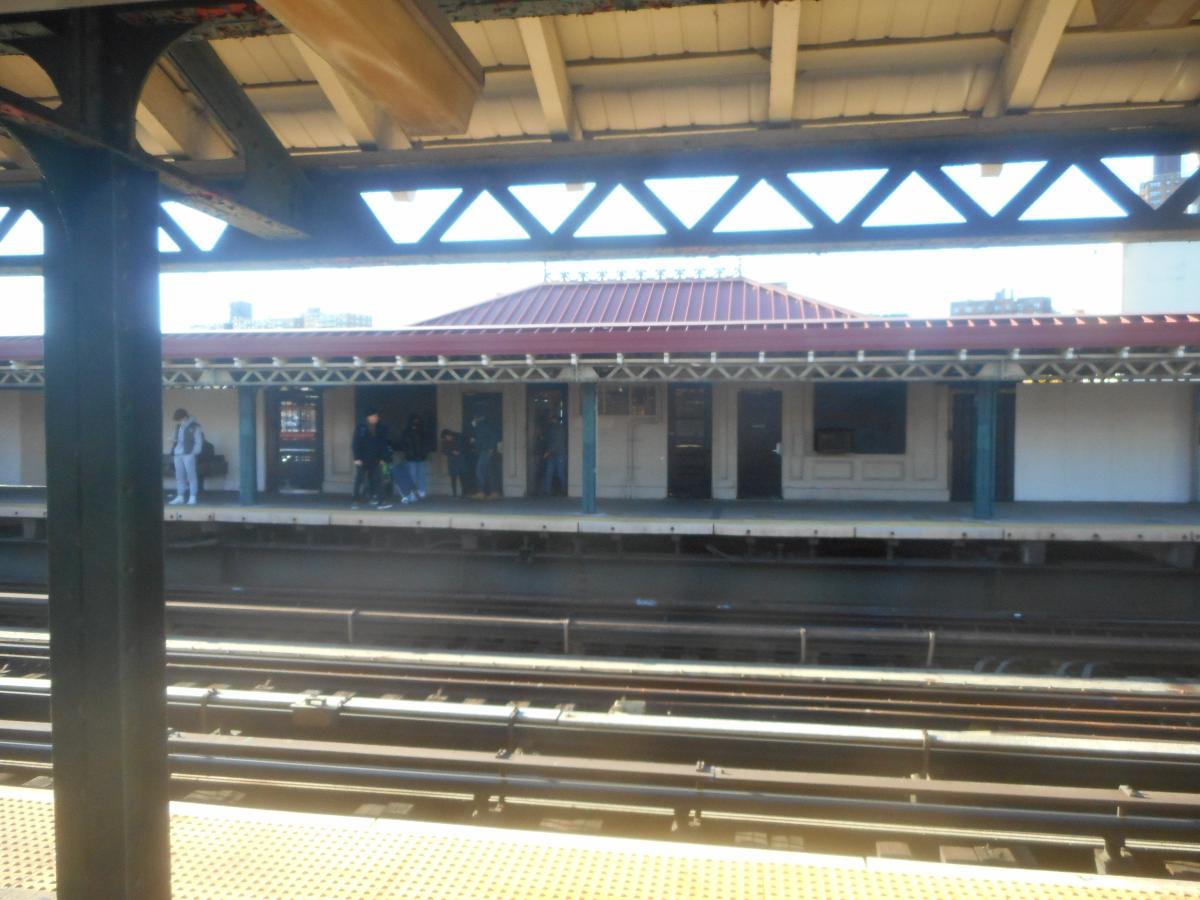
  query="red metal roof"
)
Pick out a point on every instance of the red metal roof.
point(999, 333)
point(687, 301)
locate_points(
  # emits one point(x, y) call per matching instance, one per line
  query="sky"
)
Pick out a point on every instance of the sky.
point(1084, 278)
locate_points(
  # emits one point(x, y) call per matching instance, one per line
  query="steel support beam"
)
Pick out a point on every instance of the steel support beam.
point(103, 426)
point(985, 450)
point(273, 182)
point(348, 234)
point(247, 445)
point(588, 404)
point(103, 362)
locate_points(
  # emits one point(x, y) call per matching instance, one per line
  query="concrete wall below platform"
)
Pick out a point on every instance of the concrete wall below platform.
point(1130, 442)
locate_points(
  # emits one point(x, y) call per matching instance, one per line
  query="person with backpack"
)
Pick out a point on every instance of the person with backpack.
point(185, 449)
point(372, 452)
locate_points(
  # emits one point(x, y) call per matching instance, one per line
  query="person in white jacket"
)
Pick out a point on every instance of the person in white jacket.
point(189, 441)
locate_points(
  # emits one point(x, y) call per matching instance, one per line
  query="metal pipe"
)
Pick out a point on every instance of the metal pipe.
point(662, 726)
point(943, 637)
point(1118, 825)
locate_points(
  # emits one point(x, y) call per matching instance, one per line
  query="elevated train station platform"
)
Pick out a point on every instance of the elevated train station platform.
point(250, 853)
point(1025, 521)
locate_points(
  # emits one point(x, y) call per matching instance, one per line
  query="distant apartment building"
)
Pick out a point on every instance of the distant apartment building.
point(1003, 303)
point(241, 318)
point(1162, 277)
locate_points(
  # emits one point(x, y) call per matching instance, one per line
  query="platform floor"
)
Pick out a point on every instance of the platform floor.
point(1027, 521)
point(234, 853)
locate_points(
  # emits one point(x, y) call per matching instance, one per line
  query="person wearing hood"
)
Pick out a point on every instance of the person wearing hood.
point(371, 455)
point(414, 444)
point(185, 448)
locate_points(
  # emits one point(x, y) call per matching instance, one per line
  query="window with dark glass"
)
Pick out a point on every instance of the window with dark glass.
point(860, 417)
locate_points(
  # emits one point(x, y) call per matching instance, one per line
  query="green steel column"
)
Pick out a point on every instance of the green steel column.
point(104, 434)
point(1196, 444)
point(247, 445)
point(985, 450)
point(104, 443)
point(587, 400)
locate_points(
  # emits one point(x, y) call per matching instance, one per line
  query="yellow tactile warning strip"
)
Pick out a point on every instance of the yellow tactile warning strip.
point(245, 854)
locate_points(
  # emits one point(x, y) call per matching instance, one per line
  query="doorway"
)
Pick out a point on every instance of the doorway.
point(962, 445)
point(395, 403)
point(546, 429)
point(295, 441)
point(689, 441)
point(490, 405)
point(759, 445)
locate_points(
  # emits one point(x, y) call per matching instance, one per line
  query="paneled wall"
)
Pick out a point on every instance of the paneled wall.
point(631, 451)
point(920, 473)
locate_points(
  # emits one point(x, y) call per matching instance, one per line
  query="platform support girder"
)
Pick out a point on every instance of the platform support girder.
point(104, 433)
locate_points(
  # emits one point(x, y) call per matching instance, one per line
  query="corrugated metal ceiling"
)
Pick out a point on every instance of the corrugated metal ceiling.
point(708, 67)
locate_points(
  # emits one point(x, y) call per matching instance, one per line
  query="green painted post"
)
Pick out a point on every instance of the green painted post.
point(985, 451)
point(247, 445)
point(587, 399)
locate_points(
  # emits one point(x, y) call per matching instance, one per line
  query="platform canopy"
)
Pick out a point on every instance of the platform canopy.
point(671, 330)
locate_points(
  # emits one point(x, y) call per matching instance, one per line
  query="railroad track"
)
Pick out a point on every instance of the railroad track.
point(983, 644)
point(1132, 829)
point(1064, 765)
point(1115, 708)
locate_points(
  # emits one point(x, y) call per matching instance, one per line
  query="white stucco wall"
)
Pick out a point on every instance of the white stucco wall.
point(1127, 442)
point(1161, 277)
point(33, 437)
point(217, 413)
point(22, 437)
point(337, 413)
point(10, 437)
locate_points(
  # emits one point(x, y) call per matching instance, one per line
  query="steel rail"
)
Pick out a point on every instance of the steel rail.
point(567, 631)
point(1116, 815)
point(606, 726)
point(741, 673)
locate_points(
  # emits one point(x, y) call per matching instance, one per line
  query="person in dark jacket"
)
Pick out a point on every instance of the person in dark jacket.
point(485, 440)
point(554, 457)
point(454, 448)
point(415, 445)
point(372, 452)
